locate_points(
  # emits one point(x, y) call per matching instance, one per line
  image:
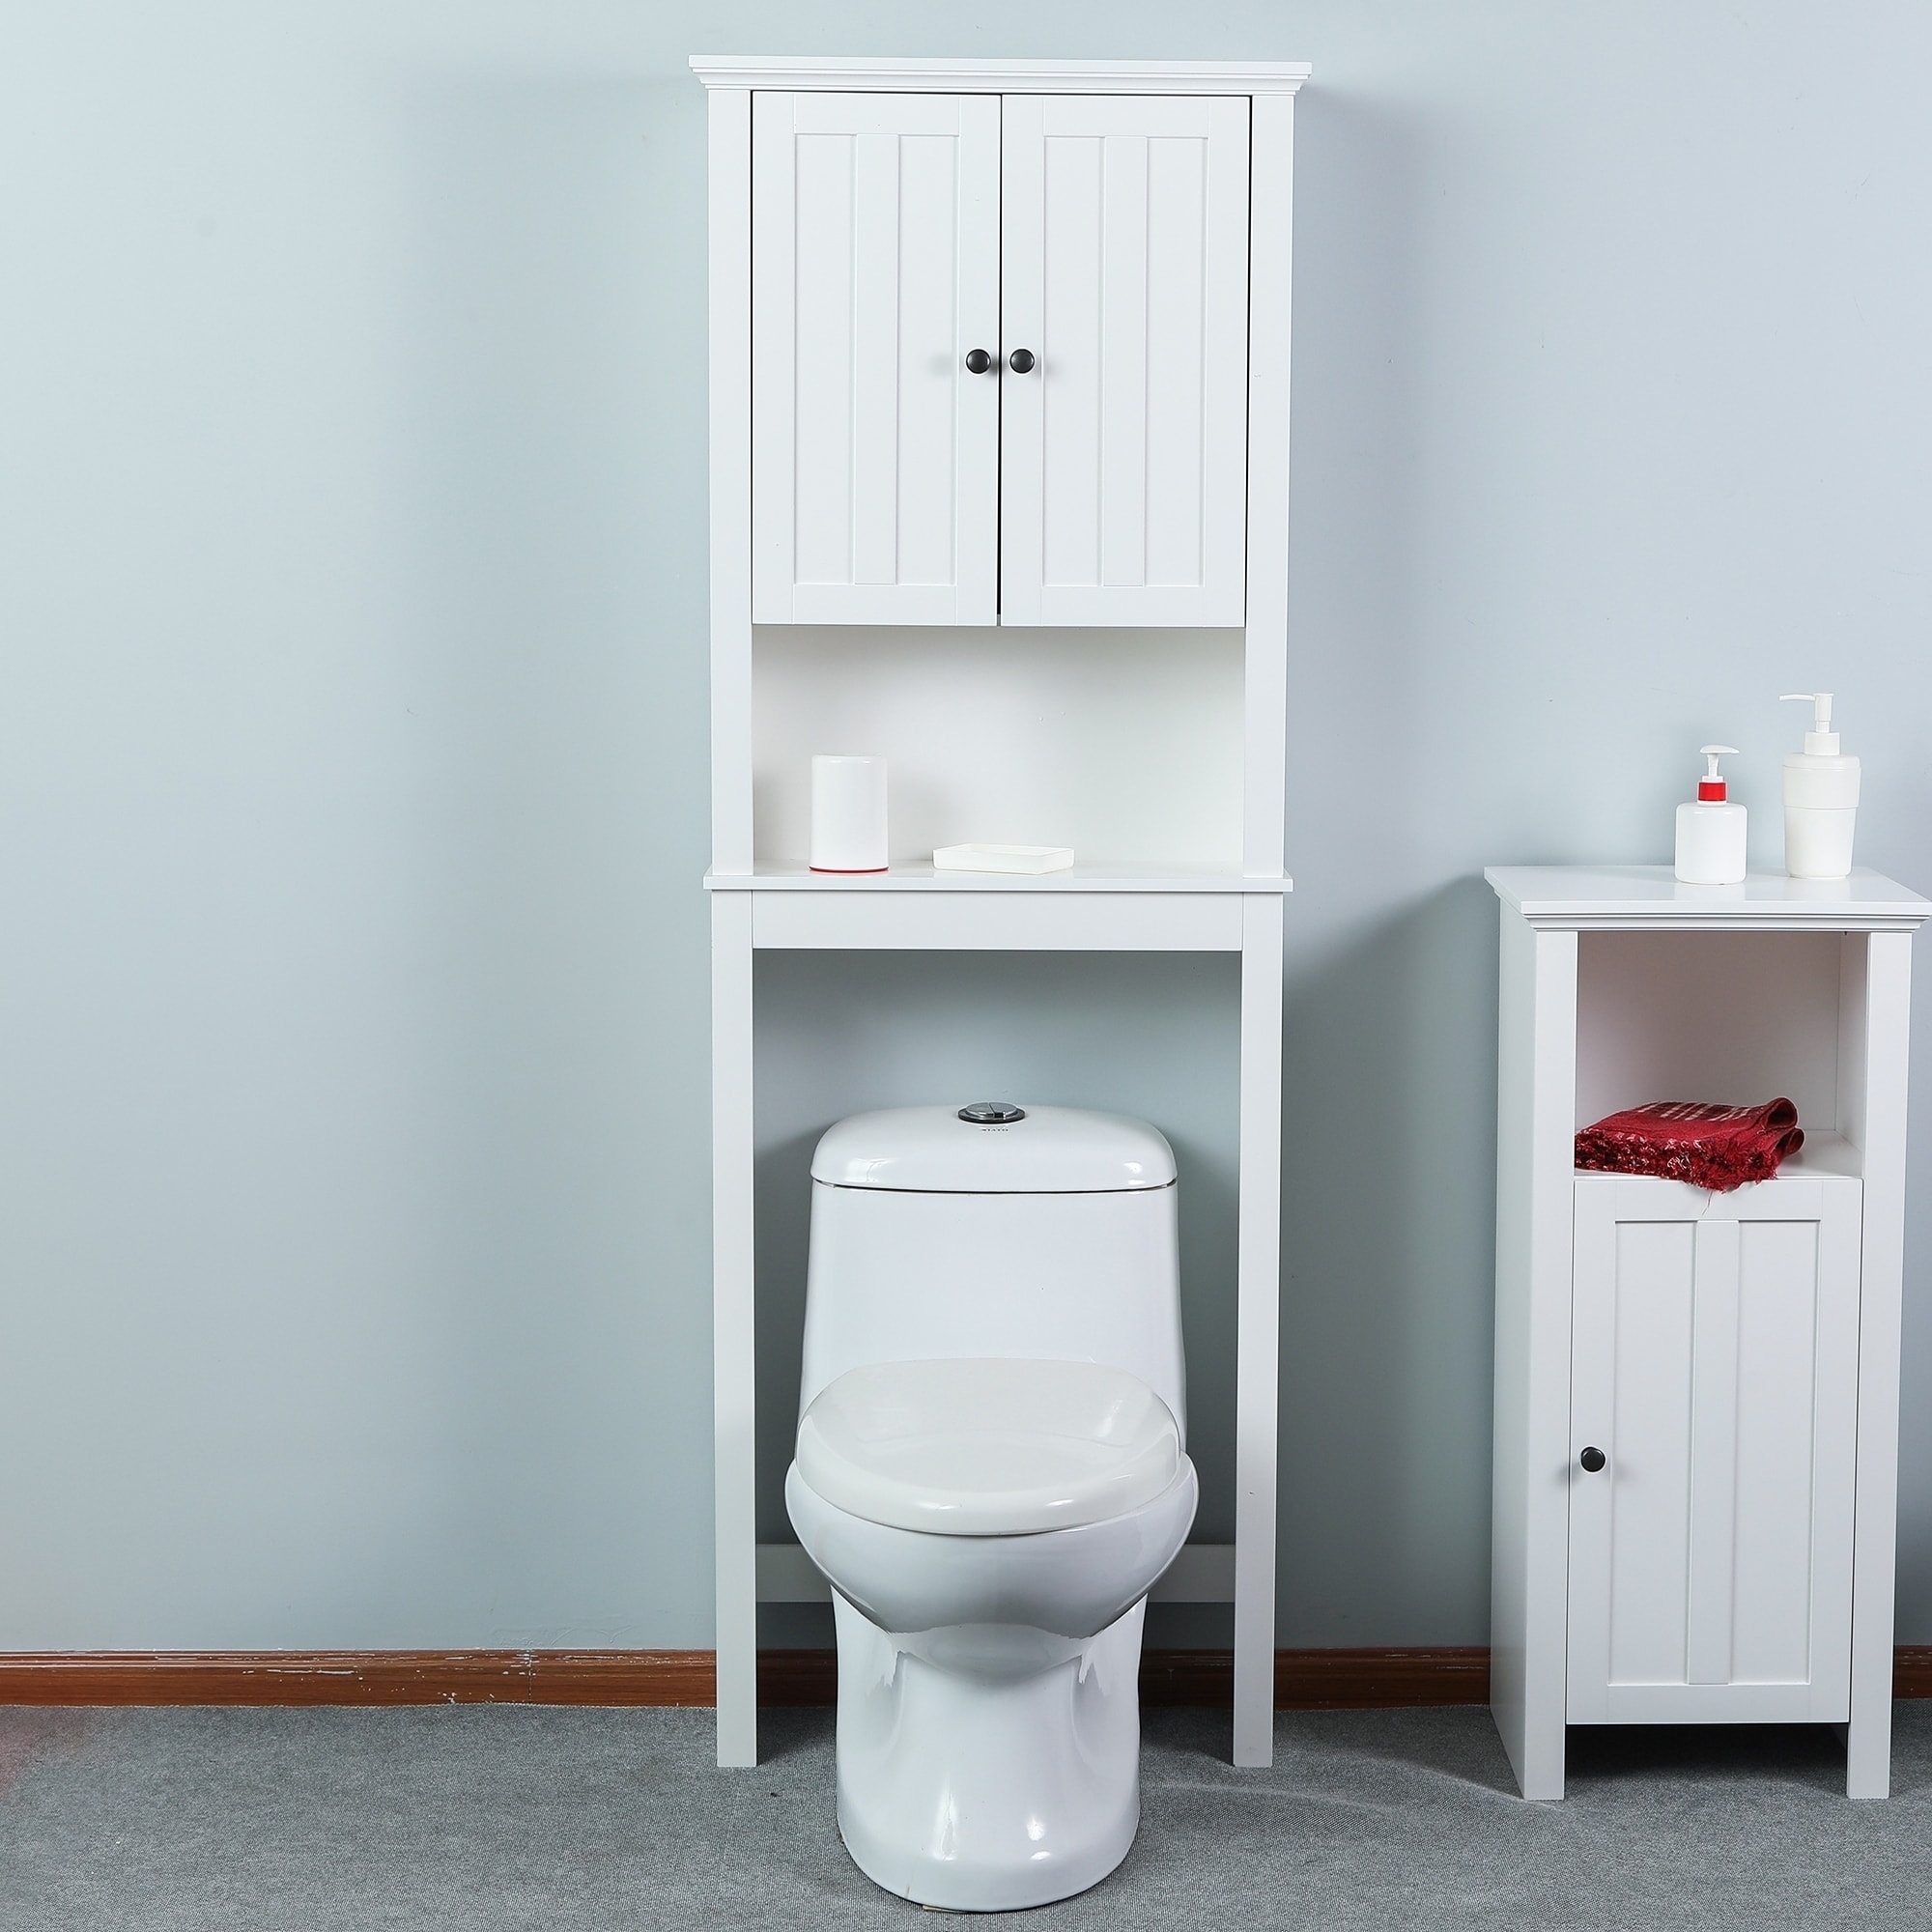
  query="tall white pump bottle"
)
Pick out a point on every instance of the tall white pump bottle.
point(1821, 797)
point(1710, 829)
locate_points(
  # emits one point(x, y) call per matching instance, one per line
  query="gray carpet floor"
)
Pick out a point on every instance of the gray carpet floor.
point(500, 1817)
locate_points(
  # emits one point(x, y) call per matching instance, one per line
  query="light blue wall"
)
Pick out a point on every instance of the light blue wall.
point(353, 1238)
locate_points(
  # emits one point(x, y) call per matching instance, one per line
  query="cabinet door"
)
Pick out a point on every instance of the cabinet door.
point(875, 269)
point(1714, 1363)
point(1124, 450)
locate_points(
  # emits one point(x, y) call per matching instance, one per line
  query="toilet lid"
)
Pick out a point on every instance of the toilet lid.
point(988, 1448)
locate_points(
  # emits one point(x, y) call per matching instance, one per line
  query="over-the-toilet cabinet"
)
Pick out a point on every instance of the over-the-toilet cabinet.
point(999, 358)
point(1001, 344)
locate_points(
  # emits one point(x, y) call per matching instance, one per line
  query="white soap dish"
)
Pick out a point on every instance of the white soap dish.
point(1003, 859)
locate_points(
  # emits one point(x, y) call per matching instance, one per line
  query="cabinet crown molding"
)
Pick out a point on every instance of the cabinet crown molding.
point(806, 74)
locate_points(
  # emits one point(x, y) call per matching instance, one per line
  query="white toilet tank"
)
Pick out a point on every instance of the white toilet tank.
point(1049, 1236)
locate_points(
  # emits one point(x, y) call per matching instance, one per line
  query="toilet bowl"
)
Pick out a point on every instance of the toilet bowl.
point(990, 1471)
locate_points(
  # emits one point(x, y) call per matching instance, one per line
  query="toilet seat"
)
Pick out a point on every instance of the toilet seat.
point(1072, 1582)
point(989, 1447)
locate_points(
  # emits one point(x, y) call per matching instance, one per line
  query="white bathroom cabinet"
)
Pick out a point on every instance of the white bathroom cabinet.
point(1049, 588)
point(1714, 1363)
point(1697, 1393)
point(1082, 459)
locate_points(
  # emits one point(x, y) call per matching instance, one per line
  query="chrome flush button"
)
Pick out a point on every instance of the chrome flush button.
point(991, 1113)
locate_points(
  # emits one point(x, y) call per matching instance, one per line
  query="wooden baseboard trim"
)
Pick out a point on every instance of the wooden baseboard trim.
point(1191, 1678)
point(1912, 1670)
point(1325, 1680)
point(1305, 1679)
point(796, 1679)
point(1380, 1679)
point(641, 1677)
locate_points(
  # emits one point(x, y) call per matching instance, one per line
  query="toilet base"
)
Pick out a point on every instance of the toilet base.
point(987, 1767)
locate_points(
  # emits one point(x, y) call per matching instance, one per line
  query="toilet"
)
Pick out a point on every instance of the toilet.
point(991, 1471)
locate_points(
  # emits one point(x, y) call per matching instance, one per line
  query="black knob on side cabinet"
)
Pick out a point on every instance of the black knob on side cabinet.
point(1593, 1459)
point(978, 361)
point(1020, 361)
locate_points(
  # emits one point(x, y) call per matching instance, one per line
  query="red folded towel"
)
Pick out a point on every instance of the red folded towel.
point(1684, 1140)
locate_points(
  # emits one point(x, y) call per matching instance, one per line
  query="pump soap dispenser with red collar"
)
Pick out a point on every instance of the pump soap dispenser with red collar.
point(1710, 829)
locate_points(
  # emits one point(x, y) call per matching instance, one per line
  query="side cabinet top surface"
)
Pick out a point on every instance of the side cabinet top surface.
point(1613, 898)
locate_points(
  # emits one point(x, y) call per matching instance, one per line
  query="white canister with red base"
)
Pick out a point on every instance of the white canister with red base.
point(848, 813)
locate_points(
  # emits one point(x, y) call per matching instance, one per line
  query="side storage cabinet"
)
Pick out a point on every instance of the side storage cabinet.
point(1696, 1479)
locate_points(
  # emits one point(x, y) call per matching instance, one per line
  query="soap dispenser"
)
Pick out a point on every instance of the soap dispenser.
point(1710, 829)
point(1821, 797)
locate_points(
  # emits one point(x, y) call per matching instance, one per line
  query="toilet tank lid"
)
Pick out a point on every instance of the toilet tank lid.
point(1051, 1151)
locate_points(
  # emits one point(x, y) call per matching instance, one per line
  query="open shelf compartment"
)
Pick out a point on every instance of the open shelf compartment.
point(1125, 745)
point(1733, 1018)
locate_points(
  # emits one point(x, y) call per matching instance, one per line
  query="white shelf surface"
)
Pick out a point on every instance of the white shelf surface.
point(921, 878)
point(1825, 1156)
point(1635, 898)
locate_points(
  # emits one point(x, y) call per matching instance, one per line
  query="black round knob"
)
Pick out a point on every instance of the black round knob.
point(991, 1113)
point(1593, 1459)
point(978, 361)
point(1020, 361)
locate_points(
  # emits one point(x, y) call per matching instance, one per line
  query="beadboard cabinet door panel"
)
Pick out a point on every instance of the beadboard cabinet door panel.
point(1714, 1364)
point(876, 265)
point(1123, 448)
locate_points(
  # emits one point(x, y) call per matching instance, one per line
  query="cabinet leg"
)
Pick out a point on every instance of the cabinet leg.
point(1868, 1749)
point(733, 1354)
point(1259, 1331)
point(1529, 1719)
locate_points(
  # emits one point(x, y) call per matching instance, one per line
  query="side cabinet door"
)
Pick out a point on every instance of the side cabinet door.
point(1124, 450)
point(1714, 1363)
point(875, 270)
